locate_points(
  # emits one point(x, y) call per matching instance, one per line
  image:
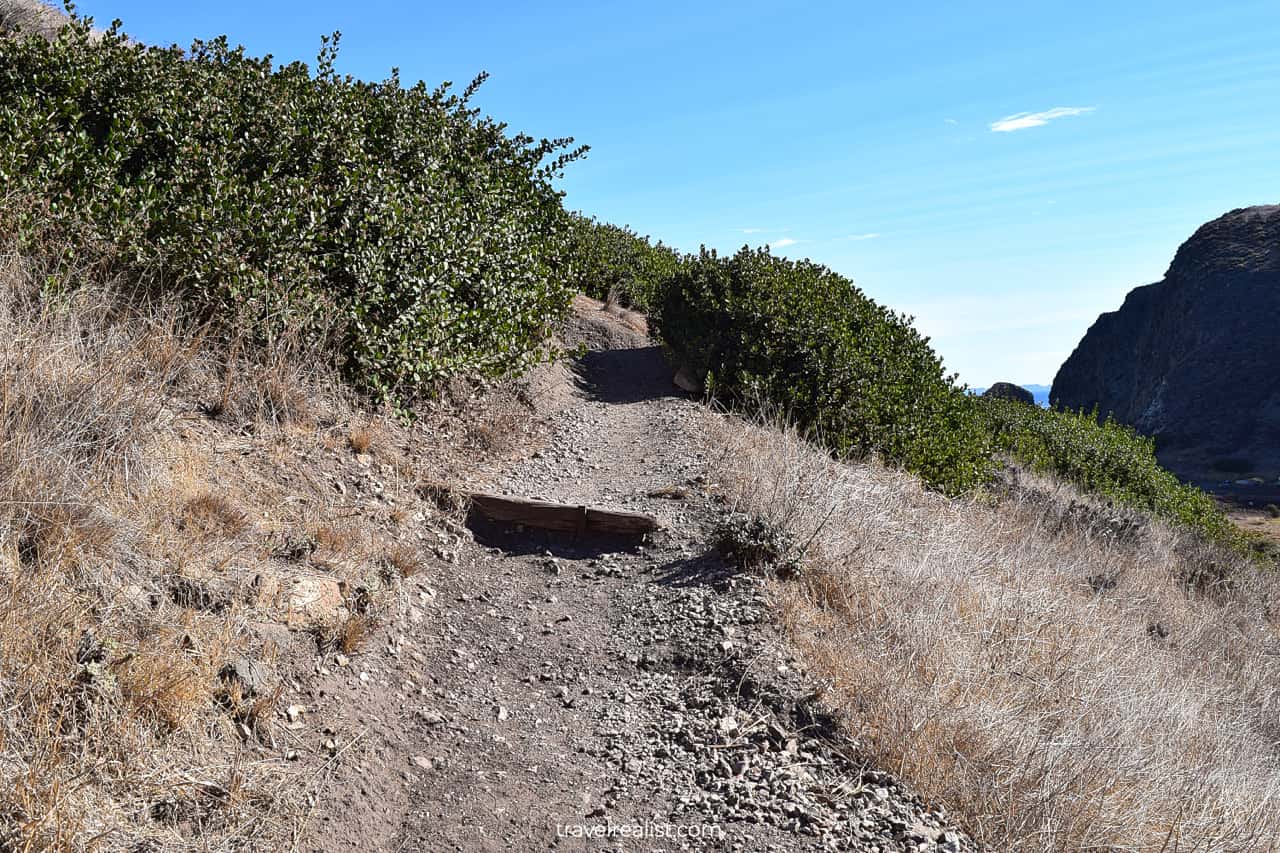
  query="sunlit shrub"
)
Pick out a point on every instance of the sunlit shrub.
point(421, 238)
point(800, 337)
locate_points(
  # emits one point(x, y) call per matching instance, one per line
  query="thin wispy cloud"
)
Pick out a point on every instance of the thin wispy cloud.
point(783, 243)
point(951, 121)
point(1022, 121)
point(754, 230)
point(871, 236)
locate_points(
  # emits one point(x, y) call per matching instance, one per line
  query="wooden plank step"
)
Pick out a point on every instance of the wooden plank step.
point(566, 518)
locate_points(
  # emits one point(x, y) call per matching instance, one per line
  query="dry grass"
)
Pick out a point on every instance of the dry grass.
point(214, 515)
point(1042, 669)
point(163, 485)
point(108, 684)
point(404, 559)
point(671, 493)
point(288, 384)
point(361, 439)
point(337, 539)
point(613, 304)
point(353, 632)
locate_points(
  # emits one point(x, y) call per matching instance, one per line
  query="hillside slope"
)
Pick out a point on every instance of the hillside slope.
point(545, 685)
point(241, 610)
point(799, 627)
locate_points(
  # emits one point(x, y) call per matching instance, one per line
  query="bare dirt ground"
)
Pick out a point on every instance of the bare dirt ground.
point(1255, 520)
point(538, 691)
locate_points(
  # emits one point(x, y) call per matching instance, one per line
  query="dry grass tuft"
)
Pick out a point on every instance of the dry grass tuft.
point(613, 304)
point(502, 428)
point(612, 301)
point(289, 384)
point(362, 439)
point(166, 683)
point(212, 514)
point(353, 632)
point(671, 493)
point(337, 539)
point(404, 559)
point(443, 496)
point(1055, 676)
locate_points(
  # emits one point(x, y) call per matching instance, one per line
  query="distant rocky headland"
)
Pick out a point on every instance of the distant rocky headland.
point(1193, 359)
point(1039, 394)
point(1009, 391)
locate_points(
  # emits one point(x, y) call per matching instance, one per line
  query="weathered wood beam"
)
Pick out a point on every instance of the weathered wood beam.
point(566, 518)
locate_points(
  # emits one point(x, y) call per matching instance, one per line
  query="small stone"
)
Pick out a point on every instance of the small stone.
point(313, 602)
point(503, 713)
point(253, 676)
point(423, 762)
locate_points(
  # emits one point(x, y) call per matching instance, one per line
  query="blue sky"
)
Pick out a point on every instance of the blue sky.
point(1003, 171)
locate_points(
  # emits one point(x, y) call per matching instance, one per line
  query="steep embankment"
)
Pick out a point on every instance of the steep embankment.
point(1191, 359)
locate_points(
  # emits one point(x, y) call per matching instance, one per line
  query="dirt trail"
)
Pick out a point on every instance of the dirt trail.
point(542, 692)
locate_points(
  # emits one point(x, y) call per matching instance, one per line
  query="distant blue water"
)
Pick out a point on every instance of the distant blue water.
point(1041, 393)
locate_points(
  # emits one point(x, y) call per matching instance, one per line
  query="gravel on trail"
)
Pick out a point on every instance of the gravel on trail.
point(542, 691)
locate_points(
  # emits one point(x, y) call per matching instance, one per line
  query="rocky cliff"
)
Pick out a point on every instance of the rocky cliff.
point(1009, 391)
point(1194, 359)
point(30, 16)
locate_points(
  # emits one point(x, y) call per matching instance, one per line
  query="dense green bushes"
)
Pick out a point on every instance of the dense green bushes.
point(1105, 458)
point(426, 240)
point(798, 336)
point(612, 260)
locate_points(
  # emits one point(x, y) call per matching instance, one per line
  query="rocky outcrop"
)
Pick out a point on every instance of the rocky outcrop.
point(1009, 391)
point(30, 16)
point(1192, 359)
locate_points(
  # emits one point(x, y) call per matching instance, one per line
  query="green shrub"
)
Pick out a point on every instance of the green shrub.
point(805, 339)
point(424, 238)
point(753, 543)
point(608, 259)
point(1106, 458)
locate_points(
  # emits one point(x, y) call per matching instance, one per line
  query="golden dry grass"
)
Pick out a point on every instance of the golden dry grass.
point(404, 559)
point(1037, 665)
point(120, 524)
point(163, 484)
point(370, 435)
point(354, 631)
point(214, 515)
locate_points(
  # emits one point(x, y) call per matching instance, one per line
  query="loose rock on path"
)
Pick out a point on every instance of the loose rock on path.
point(544, 691)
